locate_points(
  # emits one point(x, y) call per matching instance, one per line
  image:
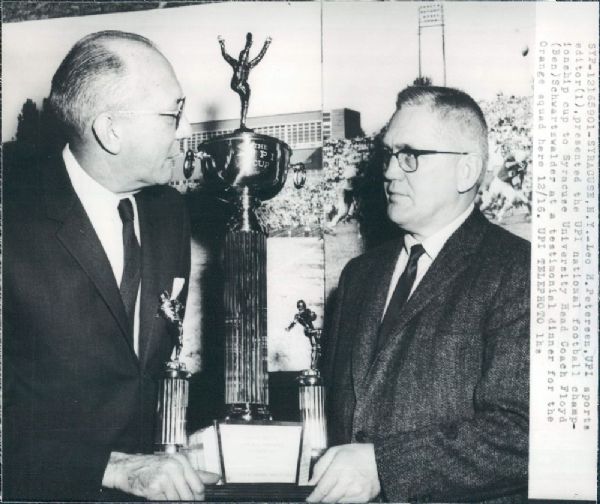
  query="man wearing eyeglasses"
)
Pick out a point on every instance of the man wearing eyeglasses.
point(91, 241)
point(428, 355)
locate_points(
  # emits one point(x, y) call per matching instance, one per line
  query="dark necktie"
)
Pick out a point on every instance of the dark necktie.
point(403, 288)
point(132, 261)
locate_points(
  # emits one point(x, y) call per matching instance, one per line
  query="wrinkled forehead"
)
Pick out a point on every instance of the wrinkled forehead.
point(420, 127)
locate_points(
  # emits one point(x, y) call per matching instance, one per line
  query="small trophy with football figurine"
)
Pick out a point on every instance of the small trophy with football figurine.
point(173, 388)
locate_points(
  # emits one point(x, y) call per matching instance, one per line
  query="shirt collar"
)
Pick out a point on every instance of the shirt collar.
point(434, 243)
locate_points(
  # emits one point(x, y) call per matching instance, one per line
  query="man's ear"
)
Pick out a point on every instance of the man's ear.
point(469, 167)
point(107, 133)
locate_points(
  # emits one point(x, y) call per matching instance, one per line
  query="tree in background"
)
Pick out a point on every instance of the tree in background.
point(37, 137)
point(28, 124)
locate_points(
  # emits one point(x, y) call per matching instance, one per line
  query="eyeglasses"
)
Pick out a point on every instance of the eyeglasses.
point(408, 158)
point(172, 113)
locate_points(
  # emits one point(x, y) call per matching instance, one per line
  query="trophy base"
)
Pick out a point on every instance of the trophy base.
point(248, 412)
point(169, 449)
point(257, 492)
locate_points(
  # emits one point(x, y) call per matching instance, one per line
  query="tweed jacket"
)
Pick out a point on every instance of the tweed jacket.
point(444, 399)
point(74, 388)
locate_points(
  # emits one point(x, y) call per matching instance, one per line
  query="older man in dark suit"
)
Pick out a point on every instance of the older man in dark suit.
point(91, 240)
point(428, 359)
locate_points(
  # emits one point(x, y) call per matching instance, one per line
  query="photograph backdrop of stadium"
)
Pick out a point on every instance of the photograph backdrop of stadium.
point(329, 113)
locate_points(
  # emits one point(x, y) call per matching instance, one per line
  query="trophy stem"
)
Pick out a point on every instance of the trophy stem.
point(246, 378)
point(312, 408)
point(246, 209)
point(172, 406)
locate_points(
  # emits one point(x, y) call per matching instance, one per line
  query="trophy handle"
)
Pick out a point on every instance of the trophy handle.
point(299, 175)
point(207, 163)
point(188, 163)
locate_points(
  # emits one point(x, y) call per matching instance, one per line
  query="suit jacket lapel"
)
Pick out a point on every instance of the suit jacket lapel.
point(372, 304)
point(77, 235)
point(452, 260)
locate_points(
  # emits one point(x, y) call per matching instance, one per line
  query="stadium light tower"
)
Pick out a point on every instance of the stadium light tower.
point(432, 15)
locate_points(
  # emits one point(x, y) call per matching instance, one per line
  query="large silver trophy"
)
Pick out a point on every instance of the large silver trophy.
point(247, 168)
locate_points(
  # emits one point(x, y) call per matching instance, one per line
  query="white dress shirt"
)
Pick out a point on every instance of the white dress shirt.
point(432, 246)
point(101, 206)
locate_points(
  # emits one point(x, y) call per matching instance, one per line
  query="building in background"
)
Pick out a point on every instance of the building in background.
point(341, 123)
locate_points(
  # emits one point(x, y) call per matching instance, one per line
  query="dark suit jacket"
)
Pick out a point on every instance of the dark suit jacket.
point(74, 389)
point(445, 400)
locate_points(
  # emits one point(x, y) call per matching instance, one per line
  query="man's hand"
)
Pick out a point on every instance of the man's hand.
point(346, 473)
point(156, 477)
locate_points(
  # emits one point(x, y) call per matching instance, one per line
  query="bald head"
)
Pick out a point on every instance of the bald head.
point(98, 73)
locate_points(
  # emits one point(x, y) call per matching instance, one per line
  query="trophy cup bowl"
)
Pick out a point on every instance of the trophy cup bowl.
point(244, 159)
